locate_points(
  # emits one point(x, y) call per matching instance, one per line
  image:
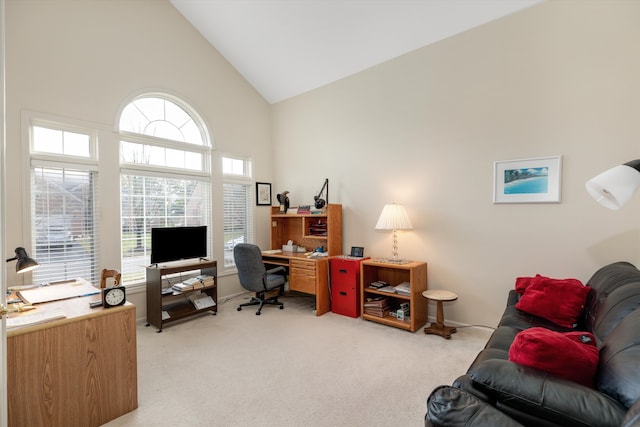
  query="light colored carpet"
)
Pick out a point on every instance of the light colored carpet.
point(291, 368)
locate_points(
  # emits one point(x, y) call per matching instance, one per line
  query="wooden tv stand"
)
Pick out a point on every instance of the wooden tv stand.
point(177, 307)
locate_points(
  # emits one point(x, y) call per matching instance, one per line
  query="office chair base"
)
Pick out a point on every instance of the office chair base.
point(261, 303)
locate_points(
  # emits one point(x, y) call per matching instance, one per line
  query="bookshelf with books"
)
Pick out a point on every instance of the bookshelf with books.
point(392, 293)
point(171, 298)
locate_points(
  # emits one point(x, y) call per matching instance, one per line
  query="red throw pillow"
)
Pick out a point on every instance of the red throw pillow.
point(560, 301)
point(570, 355)
point(523, 282)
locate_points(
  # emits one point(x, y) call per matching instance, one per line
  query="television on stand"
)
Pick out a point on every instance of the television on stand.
point(178, 243)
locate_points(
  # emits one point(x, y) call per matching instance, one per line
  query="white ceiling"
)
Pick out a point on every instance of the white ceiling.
point(288, 47)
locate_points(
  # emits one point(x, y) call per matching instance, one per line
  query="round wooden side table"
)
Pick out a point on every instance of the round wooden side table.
point(439, 327)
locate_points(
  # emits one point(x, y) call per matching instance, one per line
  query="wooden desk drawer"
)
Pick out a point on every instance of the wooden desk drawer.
point(304, 265)
point(302, 275)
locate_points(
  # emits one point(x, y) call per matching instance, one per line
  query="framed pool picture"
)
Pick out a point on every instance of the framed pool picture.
point(535, 180)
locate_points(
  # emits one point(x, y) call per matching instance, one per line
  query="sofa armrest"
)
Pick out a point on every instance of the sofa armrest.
point(632, 419)
point(451, 407)
point(520, 389)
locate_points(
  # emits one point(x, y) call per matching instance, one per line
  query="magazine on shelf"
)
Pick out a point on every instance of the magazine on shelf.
point(403, 288)
point(201, 300)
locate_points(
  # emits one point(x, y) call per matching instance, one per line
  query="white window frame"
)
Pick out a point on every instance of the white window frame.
point(245, 180)
point(164, 171)
point(36, 159)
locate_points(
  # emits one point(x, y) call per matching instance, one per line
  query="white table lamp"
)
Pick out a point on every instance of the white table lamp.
point(394, 217)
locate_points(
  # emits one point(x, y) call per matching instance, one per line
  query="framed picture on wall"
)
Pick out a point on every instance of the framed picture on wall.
point(535, 180)
point(263, 194)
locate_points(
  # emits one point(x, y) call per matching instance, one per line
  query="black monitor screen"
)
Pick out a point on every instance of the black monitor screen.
point(176, 243)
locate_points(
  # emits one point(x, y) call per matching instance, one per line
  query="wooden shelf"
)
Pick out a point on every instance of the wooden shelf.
point(389, 321)
point(178, 306)
point(413, 272)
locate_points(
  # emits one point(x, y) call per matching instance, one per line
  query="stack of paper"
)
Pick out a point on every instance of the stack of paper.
point(38, 316)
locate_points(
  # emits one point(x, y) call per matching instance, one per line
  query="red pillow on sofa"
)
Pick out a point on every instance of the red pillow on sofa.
point(570, 355)
point(522, 283)
point(560, 301)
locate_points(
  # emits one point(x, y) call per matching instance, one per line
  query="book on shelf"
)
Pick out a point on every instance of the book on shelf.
point(199, 282)
point(193, 283)
point(378, 284)
point(403, 288)
point(181, 287)
point(377, 306)
point(375, 301)
point(389, 289)
point(304, 209)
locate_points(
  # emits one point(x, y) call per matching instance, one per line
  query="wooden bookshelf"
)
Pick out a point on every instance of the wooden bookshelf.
point(178, 306)
point(414, 272)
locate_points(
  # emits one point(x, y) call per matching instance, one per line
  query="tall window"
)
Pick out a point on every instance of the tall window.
point(238, 205)
point(64, 202)
point(165, 178)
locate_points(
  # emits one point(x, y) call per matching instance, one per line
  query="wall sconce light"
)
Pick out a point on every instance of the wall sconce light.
point(25, 262)
point(394, 217)
point(614, 187)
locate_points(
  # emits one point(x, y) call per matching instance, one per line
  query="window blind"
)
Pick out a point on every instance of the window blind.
point(238, 218)
point(64, 205)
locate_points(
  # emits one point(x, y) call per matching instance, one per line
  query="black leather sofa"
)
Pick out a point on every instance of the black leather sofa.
point(497, 392)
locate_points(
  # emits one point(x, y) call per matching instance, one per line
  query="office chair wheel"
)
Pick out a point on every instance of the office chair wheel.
point(281, 307)
point(239, 308)
point(257, 313)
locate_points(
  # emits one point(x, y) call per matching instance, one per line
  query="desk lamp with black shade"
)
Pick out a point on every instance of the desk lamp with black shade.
point(25, 262)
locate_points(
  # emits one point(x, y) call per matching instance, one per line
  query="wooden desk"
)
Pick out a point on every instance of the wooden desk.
point(81, 370)
point(308, 275)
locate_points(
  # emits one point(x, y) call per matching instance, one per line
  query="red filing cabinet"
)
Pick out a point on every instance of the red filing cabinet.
point(345, 285)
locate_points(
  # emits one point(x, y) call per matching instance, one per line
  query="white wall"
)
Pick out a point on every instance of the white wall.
point(422, 130)
point(83, 59)
point(561, 78)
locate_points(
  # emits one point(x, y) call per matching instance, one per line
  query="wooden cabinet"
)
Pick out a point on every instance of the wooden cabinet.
point(413, 272)
point(308, 230)
point(81, 370)
point(165, 308)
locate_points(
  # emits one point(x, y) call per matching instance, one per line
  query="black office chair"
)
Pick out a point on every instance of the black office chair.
point(256, 278)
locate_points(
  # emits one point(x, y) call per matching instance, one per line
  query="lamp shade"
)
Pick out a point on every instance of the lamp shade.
point(614, 187)
point(394, 217)
point(25, 262)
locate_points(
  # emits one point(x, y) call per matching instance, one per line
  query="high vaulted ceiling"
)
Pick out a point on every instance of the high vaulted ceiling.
point(288, 47)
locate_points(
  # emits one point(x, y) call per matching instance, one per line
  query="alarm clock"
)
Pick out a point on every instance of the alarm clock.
point(112, 297)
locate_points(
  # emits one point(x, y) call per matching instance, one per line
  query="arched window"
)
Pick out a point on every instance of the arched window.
point(165, 174)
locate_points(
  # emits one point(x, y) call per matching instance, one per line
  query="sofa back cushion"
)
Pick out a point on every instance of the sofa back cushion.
point(621, 282)
point(618, 370)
